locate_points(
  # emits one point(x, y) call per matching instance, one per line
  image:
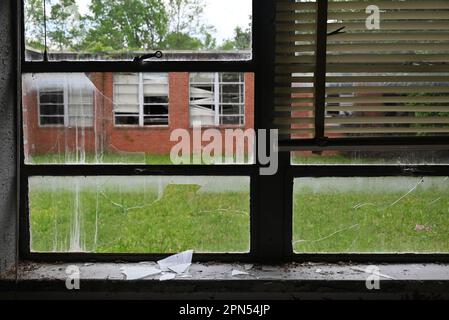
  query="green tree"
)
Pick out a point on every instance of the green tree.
point(241, 40)
point(118, 26)
point(65, 28)
point(34, 23)
point(126, 25)
point(187, 31)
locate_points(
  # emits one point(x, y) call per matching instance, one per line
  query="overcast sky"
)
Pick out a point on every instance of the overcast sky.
point(222, 14)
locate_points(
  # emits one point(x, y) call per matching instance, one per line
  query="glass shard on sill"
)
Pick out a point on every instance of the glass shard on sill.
point(139, 272)
point(178, 263)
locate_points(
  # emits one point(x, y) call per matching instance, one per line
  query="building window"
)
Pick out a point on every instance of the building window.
point(141, 99)
point(217, 99)
point(51, 107)
point(67, 106)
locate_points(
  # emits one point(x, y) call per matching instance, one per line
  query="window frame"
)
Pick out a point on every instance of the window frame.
point(66, 106)
point(141, 97)
point(218, 105)
point(40, 104)
point(26, 170)
point(271, 204)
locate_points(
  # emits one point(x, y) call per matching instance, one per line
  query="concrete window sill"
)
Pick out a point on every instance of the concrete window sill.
point(214, 281)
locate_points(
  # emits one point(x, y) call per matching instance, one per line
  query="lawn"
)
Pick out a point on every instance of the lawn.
point(351, 215)
point(107, 158)
point(112, 219)
point(371, 215)
point(112, 158)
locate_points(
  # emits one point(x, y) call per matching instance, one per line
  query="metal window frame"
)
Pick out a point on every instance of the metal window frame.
point(66, 116)
point(271, 201)
point(218, 105)
point(322, 143)
point(27, 171)
point(40, 116)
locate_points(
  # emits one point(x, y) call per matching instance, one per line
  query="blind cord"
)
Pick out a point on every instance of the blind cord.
point(45, 33)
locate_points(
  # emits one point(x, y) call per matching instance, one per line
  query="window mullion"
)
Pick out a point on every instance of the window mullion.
point(66, 106)
point(217, 98)
point(320, 72)
point(141, 100)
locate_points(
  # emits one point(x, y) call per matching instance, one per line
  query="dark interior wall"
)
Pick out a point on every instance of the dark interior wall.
point(7, 139)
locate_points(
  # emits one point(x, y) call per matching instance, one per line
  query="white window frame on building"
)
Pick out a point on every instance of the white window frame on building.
point(68, 105)
point(214, 99)
point(158, 84)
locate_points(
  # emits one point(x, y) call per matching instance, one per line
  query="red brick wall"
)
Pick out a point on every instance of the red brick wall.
point(107, 138)
point(52, 140)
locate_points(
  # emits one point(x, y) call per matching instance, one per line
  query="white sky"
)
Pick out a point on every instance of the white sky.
point(224, 15)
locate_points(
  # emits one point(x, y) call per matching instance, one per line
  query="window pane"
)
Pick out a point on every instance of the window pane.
point(122, 30)
point(139, 214)
point(126, 118)
point(51, 121)
point(51, 110)
point(371, 215)
point(156, 100)
point(51, 97)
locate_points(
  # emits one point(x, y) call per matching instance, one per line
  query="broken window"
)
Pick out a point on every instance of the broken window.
point(138, 104)
point(217, 99)
point(154, 214)
point(141, 99)
point(371, 215)
point(115, 118)
point(383, 82)
point(61, 104)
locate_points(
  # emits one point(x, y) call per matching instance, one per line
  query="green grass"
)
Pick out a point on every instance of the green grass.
point(329, 223)
point(219, 222)
point(110, 158)
point(337, 159)
point(137, 222)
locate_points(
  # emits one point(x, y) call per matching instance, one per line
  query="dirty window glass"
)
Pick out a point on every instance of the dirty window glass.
point(123, 30)
point(129, 118)
point(139, 214)
point(371, 215)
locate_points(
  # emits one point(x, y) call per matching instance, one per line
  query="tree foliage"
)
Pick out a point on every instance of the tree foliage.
point(241, 41)
point(125, 25)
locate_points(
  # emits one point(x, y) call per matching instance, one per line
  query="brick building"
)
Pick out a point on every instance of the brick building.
point(76, 115)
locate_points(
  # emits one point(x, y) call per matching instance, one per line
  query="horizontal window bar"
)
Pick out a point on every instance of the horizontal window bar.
point(371, 257)
point(107, 257)
point(143, 170)
point(126, 66)
point(370, 143)
point(367, 171)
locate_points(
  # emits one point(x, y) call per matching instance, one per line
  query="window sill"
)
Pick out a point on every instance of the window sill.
point(214, 280)
point(166, 127)
point(221, 127)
